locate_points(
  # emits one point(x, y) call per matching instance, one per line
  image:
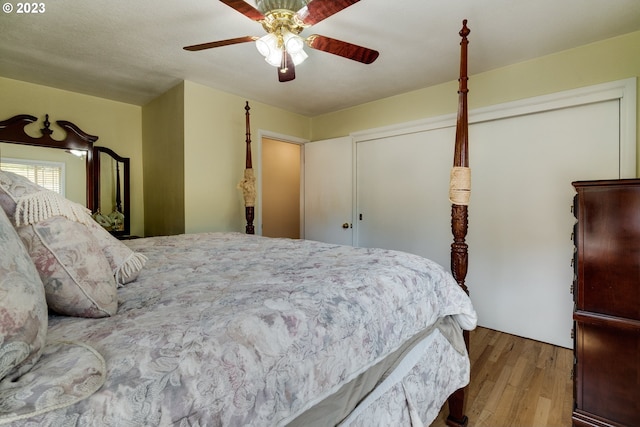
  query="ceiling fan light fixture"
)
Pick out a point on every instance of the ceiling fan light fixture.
point(272, 48)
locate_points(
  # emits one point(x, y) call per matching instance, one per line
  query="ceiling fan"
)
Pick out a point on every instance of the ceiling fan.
point(284, 20)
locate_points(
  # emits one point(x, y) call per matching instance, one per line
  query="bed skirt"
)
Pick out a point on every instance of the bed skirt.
point(408, 388)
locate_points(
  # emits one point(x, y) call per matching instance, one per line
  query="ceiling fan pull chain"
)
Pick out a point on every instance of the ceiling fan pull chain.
point(283, 65)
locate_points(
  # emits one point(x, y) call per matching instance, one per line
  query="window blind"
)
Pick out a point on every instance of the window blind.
point(46, 174)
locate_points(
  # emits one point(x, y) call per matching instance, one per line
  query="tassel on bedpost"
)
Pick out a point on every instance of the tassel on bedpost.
point(460, 189)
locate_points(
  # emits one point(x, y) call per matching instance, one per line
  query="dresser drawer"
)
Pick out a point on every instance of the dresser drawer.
point(608, 371)
point(609, 251)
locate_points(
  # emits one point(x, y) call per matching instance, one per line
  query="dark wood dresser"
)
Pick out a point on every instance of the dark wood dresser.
point(607, 303)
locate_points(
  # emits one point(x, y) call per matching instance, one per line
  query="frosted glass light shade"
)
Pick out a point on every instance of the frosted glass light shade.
point(298, 57)
point(274, 58)
point(267, 44)
point(293, 43)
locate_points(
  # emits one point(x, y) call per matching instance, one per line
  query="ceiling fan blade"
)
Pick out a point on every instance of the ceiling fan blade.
point(318, 10)
point(344, 49)
point(286, 70)
point(219, 43)
point(245, 8)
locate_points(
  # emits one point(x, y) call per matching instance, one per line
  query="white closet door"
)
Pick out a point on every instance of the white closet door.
point(519, 218)
point(328, 177)
point(402, 193)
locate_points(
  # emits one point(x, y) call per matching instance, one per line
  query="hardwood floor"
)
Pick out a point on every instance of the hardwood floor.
point(516, 382)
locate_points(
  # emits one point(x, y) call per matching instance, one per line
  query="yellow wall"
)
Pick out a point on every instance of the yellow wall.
point(164, 166)
point(215, 153)
point(118, 125)
point(604, 61)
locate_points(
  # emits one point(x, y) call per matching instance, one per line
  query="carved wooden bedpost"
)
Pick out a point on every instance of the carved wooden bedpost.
point(248, 183)
point(460, 188)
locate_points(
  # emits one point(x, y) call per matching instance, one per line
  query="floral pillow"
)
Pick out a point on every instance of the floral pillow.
point(76, 275)
point(23, 309)
point(29, 203)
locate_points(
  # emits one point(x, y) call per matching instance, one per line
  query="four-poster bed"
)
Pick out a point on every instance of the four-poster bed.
point(229, 328)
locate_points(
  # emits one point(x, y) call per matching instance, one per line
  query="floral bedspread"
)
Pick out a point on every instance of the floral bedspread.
point(225, 329)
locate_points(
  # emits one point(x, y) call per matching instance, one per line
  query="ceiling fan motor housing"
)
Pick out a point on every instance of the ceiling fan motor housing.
point(265, 6)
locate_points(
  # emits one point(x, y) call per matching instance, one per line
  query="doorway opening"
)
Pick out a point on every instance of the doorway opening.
point(280, 187)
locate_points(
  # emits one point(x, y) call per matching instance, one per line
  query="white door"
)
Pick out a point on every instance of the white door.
point(328, 178)
point(402, 193)
point(520, 222)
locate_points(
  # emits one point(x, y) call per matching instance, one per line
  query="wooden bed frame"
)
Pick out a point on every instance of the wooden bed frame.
point(13, 131)
point(459, 212)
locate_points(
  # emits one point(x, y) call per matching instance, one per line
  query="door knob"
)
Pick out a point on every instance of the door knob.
point(345, 225)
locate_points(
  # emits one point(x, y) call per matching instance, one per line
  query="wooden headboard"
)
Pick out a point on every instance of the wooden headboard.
point(13, 131)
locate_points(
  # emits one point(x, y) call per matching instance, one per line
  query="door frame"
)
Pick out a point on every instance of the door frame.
point(257, 162)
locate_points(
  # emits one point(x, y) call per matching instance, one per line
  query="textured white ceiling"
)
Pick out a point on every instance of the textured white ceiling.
point(131, 51)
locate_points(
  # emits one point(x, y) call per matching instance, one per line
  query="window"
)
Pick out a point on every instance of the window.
point(49, 175)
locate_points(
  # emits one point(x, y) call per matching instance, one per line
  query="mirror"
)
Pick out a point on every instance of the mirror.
point(111, 189)
point(12, 131)
point(73, 167)
point(105, 177)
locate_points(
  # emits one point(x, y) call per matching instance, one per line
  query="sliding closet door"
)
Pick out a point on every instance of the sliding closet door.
point(402, 193)
point(523, 221)
point(520, 221)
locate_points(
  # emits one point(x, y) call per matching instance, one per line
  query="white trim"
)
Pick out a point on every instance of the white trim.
point(622, 90)
point(257, 162)
point(628, 129)
point(354, 192)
